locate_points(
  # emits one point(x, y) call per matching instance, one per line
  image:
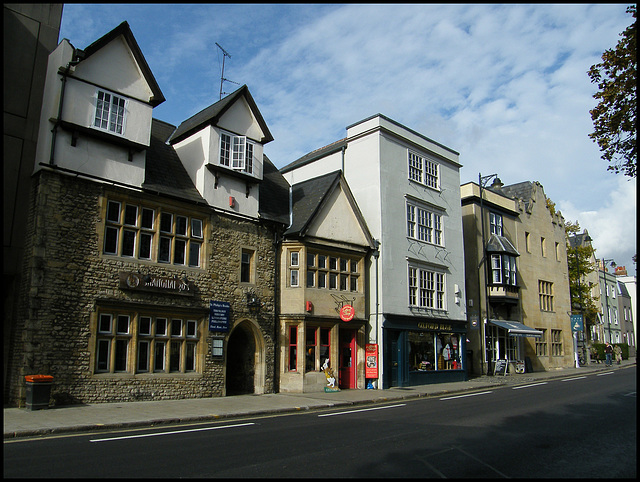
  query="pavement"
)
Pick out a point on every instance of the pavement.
point(20, 422)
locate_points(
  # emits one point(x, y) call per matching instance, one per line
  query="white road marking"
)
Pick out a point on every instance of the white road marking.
point(571, 379)
point(606, 373)
point(361, 410)
point(527, 386)
point(467, 395)
point(169, 433)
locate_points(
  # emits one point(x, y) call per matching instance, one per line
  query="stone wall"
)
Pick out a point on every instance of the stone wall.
point(67, 279)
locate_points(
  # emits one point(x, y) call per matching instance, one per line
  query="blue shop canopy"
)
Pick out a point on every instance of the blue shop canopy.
point(515, 328)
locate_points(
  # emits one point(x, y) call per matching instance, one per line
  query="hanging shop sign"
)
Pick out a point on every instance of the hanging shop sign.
point(347, 313)
point(156, 284)
point(576, 323)
point(219, 315)
point(371, 355)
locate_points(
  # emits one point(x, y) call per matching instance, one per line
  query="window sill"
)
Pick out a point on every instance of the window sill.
point(76, 129)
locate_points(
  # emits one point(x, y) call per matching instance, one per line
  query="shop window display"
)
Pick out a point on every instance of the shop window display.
point(434, 351)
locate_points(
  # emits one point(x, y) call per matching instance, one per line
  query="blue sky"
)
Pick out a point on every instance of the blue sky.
point(506, 86)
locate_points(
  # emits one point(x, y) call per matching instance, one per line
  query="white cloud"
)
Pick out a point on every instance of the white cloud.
point(613, 225)
point(504, 85)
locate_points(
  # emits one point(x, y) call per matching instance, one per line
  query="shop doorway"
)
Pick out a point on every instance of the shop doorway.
point(241, 365)
point(347, 367)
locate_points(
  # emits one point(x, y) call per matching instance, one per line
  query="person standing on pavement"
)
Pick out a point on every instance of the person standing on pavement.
point(617, 351)
point(608, 351)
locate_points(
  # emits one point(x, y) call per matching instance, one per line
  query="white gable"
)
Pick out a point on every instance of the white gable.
point(114, 67)
point(337, 221)
point(239, 119)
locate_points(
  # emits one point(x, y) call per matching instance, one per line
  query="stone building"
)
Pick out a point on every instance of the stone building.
point(149, 273)
point(516, 278)
point(323, 311)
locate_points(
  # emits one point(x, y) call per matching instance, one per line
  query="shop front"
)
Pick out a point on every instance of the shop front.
point(423, 351)
point(504, 341)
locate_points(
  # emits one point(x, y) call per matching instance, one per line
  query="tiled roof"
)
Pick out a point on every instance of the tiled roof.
point(164, 173)
point(212, 114)
point(307, 198)
point(274, 194)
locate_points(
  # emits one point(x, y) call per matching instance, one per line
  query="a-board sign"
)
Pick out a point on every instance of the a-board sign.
point(501, 367)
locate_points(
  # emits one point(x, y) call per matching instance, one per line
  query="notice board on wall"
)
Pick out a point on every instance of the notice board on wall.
point(501, 367)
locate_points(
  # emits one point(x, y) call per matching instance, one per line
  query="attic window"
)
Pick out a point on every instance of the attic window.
point(110, 110)
point(236, 152)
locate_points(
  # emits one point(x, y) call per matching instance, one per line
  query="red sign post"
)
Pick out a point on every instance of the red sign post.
point(371, 356)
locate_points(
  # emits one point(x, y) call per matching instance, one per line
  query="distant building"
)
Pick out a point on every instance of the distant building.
point(609, 305)
point(408, 189)
point(626, 318)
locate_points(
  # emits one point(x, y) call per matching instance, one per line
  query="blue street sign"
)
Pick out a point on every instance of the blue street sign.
point(576, 323)
point(219, 316)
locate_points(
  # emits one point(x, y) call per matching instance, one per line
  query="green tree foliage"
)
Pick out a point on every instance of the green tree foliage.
point(614, 118)
point(579, 265)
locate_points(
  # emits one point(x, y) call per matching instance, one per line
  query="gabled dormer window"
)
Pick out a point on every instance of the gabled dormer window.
point(236, 152)
point(110, 112)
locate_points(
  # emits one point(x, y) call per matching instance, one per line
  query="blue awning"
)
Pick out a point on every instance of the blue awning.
point(515, 328)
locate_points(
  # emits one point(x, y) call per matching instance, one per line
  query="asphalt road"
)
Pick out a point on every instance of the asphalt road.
point(576, 427)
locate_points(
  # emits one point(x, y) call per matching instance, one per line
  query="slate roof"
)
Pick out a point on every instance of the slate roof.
point(307, 198)
point(164, 173)
point(313, 155)
point(500, 244)
point(124, 30)
point(274, 194)
point(212, 114)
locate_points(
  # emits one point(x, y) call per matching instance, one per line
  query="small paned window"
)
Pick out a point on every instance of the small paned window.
point(156, 345)
point(423, 170)
point(236, 152)
point(131, 232)
point(333, 272)
point(426, 288)
point(424, 225)
point(110, 112)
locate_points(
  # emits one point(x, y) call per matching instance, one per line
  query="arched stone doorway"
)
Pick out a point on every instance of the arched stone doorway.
point(245, 360)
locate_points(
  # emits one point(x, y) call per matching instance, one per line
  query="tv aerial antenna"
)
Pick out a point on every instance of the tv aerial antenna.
point(222, 79)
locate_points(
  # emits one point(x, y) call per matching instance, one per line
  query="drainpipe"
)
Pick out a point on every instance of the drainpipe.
point(290, 206)
point(376, 255)
point(344, 148)
point(78, 57)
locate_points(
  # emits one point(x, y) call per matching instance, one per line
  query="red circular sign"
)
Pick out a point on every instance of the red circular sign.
point(347, 313)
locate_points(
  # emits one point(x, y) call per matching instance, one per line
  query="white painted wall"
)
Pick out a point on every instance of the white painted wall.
point(114, 69)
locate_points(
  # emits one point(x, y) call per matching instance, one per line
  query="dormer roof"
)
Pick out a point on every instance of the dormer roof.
point(164, 173)
point(125, 31)
point(500, 244)
point(212, 114)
